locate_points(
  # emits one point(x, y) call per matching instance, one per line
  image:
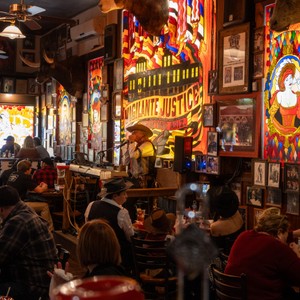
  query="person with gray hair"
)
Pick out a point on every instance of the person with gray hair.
point(269, 262)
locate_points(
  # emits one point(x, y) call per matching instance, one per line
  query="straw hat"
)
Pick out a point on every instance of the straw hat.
point(140, 127)
point(159, 222)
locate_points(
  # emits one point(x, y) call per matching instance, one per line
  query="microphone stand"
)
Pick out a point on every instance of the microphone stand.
point(101, 154)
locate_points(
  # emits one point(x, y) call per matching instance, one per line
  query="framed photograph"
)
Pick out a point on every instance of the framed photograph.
point(237, 188)
point(291, 177)
point(274, 174)
point(21, 86)
point(33, 88)
point(29, 42)
point(200, 163)
point(237, 125)
point(117, 105)
point(256, 213)
point(104, 113)
point(258, 65)
point(292, 203)
point(212, 143)
point(212, 82)
point(209, 115)
point(234, 59)
point(104, 91)
point(8, 85)
point(118, 74)
point(259, 35)
point(158, 162)
point(213, 165)
point(254, 196)
point(259, 171)
point(274, 197)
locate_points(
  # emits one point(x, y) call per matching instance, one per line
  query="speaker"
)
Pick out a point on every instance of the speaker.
point(236, 12)
point(110, 42)
point(183, 154)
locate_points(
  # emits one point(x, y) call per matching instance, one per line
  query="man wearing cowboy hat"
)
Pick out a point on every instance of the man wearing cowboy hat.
point(142, 155)
point(110, 208)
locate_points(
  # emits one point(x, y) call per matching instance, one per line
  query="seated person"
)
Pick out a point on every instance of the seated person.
point(110, 208)
point(40, 148)
point(10, 146)
point(270, 264)
point(228, 222)
point(22, 181)
point(6, 173)
point(98, 251)
point(28, 150)
point(47, 173)
point(159, 225)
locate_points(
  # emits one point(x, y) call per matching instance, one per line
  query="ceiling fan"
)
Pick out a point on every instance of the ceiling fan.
point(21, 12)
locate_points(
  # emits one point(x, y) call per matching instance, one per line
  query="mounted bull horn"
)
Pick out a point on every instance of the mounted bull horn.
point(29, 63)
point(152, 14)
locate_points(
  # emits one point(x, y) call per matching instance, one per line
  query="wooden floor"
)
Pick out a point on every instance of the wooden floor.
point(69, 242)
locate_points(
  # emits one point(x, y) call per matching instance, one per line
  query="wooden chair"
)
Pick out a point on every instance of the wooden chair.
point(229, 287)
point(153, 268)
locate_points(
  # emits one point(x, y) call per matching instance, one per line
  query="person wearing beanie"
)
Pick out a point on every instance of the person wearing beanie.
point(229, 223)
point(27, 249)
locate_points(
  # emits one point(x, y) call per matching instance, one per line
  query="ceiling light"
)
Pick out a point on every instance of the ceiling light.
point(12, 32)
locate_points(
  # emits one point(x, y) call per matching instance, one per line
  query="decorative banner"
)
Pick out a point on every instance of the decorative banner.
point(16, 120)
point(94, 102)
point(281, 94)
point(164, 75)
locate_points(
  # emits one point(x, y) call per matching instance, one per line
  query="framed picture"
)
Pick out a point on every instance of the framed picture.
point(292, 203)
point(274, 174)
point(91, 154)
point(258, 65)
point(274, 197)
point(212, 143)
point(291, 177)
point(104, 93)
point(33, 88)
point(118, 74)
point(256, 213)
point(237, 125)
point(212, 82)
point(8, 85)
point(103, 113)
point(259, 35)
point(158, 162)
point(117, 105)
point(254, 196)
point(259, 171)
point(237, 188)
point(200, 164)
point(21, 86)
point(209, 115)
point(29, 42)
point(213, 165)
point(234, 59)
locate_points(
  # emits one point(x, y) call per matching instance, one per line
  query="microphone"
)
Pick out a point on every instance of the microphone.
point(123, 144)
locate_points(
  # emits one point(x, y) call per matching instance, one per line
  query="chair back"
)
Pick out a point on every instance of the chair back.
point(228, 287)
point(152, 265)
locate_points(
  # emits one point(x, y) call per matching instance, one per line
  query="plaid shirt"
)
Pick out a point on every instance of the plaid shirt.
point(46, 174)
point(27, 249)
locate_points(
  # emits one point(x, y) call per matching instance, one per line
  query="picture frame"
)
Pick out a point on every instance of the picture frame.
point(104, 90)
point(237, 188)
point(259, 171)
point(234, 59)
point(212, 82)
point(292, 203)
point(209, 115)
point(258, 39)
point(117, 99)
point(238, 130)
point(212, 143)
point(104, 113)
point(274, 174)
point(291, 177)
point(118, 74)
point(21, 86)
point(158, 162)
point(254, 196)
point(274, 197)
point(29, 42)
point(33, 88)
point(200, 163)
point(8, 85)
point(258, 65)
point(213, 165)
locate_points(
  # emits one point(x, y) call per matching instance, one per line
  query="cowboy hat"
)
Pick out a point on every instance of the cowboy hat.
point(140, 127)
point(159, 222)
point(115, 186)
